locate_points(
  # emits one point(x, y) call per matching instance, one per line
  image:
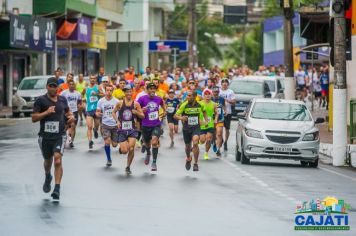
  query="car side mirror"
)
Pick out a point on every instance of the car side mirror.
point(268, 95)
point(319, 120)
point(241, 115)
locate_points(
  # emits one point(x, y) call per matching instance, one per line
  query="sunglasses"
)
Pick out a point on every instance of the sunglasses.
point(52, 85)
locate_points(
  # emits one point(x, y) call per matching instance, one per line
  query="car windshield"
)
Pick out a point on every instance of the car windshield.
point(271, 85)
point(247, 87)
point(29, 84)
point(280, 111)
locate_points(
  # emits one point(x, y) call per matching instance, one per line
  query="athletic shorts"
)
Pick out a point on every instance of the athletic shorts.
point(208, 130)
point(91, 114)
point(324, 92)
point(317, 94)
point(123, 136)
point(148, 132)
point(76, 117)
point(109, 132)
point(219, 124)
point(227, 121)
point(50, 146)
point(189, 133)
point(300, 87)
point(171, 120)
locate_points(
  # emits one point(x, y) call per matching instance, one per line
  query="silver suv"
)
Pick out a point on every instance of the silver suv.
point(278, 129)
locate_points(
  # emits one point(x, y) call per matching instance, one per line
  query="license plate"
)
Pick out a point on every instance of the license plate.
point(282, 149)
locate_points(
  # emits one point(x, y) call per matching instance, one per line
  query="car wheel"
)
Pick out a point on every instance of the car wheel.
point(16, 114)
point(244, 159)
point(304, 163)
point(237, 154)
point(314, 164)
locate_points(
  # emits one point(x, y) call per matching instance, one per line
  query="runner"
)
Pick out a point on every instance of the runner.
point(190, 113)
point(51, 110)
point(118, 92)
point(217, 139)
point(128, 110)
point(74, 100)
point(92, 95)
point(207, 131)
point(172, 104)
point(80, 87)
point(229, 97)
point(104, 110)
point(151, 124)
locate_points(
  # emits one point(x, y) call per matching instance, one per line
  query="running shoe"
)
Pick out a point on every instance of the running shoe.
point(108, 163)
point(147, 159)
point(71, 145)
point(91, 143)
point(172, 144)
point(143, 149)
point(206, 156)
point(215, 148)
point(218, 153)
point(195, 167)
point(96, 135)
point(47, 184)
point(225, 146)
point(128, 171)
point(154, 166)
point(55, 195)
point(188, 163)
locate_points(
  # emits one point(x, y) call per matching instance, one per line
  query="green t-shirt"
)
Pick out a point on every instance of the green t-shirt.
point(209, 108)
point(193, 111)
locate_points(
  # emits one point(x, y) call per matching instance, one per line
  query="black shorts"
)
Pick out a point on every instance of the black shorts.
point(301, 87)
point(148, 132)
point(209, 130)
point(123, 136)
point(50, 146)
point(91, 113)
point(227, 121)
point(171, 120)
point(189, 133)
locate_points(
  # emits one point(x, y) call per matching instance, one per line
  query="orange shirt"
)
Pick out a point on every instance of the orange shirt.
point(163, 86)
point(129, 77)
point(135, 92)
point(62, 87)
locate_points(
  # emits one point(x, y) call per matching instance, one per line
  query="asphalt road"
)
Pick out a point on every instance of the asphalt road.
point(223, 198)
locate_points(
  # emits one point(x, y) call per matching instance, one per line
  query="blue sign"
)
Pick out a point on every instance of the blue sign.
point(167, 45)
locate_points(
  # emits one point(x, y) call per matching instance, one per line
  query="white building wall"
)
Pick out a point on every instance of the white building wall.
point(24, 6)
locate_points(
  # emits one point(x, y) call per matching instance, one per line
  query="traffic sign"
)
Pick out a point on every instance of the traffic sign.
point(167, 45)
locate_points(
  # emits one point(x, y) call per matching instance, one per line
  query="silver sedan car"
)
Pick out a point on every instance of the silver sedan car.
point(278, 129)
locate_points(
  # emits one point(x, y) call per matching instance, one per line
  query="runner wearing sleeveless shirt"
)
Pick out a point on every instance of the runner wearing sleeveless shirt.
point(125, 114)
point(172, 104)
point(80, 87)
point(217, 139)
point(104, 110)
point(207, 131)
point(190, 113)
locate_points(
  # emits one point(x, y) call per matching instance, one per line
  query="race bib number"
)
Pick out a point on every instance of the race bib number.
point(73, 106)
point(93, 99)
point(170, 109)
point(108, 113)
point(193, 120)
point(51, 127)
point(126, 125)
point(209, 119)
point(219, 110)
point(153, 115)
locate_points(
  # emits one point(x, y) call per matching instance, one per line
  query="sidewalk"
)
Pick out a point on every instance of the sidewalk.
point(6, 112)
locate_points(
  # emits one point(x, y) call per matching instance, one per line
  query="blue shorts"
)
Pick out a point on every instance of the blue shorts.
point(208, 130)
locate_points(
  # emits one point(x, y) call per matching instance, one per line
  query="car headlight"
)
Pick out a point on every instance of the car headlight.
point(311, 136)
point(253, 133)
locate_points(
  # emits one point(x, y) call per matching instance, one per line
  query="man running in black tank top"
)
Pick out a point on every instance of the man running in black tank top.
point(128, 110)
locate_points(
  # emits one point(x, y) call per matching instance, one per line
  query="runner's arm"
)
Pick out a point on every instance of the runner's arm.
point(178, 115)
point(37, 115)
point(138, 111)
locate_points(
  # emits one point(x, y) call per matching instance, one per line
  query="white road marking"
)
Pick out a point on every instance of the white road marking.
point(337, 173)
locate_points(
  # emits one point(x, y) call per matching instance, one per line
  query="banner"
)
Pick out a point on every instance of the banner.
point(66, 30)
point(42, 34)
point(82, 32)
point(98, 35)
point(19, 31)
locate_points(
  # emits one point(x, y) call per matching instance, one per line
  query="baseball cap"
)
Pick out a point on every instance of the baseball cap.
point(216, 89)
point(127, 87)
point(171, 91)
point(207, 91)
point(150, 85)
point(105, 79)
point(52, 80)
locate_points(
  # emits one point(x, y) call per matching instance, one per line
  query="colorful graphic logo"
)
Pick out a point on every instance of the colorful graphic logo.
point(328, 214)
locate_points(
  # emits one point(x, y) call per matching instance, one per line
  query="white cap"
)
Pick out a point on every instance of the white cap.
point(105, 78)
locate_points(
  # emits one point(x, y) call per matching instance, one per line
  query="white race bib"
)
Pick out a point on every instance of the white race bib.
point(108, 113)
point(209, 119)
point(193, 120)
point(170, 109)
point(126, 125)
point(153, 115)
point(219, 110)
point(93, 99)
point(51, 127)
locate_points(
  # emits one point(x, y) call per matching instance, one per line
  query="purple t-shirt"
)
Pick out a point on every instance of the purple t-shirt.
point(152, 114)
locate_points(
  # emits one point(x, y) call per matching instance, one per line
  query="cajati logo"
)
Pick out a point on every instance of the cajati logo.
point(328, 214)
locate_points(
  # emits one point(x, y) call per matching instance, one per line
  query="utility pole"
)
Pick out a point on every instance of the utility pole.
point(192, 34)
point(288, 49)
point(340, 92)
